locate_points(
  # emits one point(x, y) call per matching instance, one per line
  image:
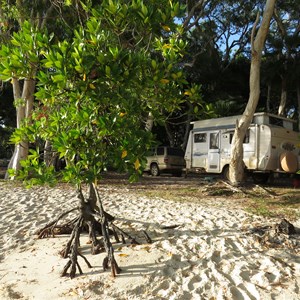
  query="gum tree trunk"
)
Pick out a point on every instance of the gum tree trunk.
point(236, 170)
point(24, 106)
point(149, 122)
point(298, 101)
point(24, 99)
point(283, 98)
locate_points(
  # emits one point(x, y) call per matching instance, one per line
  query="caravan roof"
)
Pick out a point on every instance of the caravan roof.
point(258, 118)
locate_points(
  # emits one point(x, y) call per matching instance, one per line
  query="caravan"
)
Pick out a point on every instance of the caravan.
point(270, 145)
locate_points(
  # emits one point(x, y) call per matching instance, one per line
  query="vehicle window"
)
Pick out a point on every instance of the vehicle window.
point(246, 138)
point(200, 138)
point(175, 152)
point(160, 151)
point(214, 141)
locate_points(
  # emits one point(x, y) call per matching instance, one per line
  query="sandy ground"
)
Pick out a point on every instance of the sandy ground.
point(210, 255)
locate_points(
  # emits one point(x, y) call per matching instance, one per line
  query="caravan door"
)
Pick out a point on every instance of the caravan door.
point(199, 150)
point(213, 158)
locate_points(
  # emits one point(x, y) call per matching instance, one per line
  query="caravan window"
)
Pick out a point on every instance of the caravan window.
point(246, 139)
point(214, 141)
point(200, 138)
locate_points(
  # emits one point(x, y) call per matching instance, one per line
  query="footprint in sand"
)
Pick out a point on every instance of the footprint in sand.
point(194, 283)
point(250, 290)
point(236, 293)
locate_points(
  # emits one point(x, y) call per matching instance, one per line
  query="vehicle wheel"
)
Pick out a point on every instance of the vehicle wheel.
point(260, 177)
point(225, 173)
point(154, 170)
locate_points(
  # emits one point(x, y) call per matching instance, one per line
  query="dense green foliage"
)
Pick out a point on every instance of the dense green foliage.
point(96, 91)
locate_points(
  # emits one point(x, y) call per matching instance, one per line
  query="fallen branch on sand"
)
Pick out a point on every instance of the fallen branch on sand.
point(280, 235)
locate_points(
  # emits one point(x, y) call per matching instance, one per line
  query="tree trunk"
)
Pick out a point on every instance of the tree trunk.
point(298, 100)
point(49, 157)
point(149, 122)
point(283, 97)
point(236, 170)
point(169, 134)
point(269, 97)
point(24, 104)
point(187, 128)
point(24, 101)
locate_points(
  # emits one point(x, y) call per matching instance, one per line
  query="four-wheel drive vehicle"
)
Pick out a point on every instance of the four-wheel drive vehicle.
point(165, 160)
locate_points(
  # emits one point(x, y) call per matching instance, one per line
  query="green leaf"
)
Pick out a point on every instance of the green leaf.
point(15, 42)
point(49, 64)
point(79, 69)
point(107, 71)
point(112, 8)
point(101, 58)
point(144, 10)
point(58, 78)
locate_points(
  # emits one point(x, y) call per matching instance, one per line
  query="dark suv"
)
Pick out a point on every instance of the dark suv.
point(165, 159)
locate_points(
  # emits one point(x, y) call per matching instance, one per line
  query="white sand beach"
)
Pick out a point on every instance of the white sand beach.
point(210, 255)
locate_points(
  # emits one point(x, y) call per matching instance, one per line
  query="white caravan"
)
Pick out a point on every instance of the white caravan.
point(271, 145)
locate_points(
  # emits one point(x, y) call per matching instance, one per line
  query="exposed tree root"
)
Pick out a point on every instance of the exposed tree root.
point(93, 219)
point(50, 228)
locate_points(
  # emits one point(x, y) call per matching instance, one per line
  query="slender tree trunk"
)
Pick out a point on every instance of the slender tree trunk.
point(20, 109)
point(149, 122)
point(24, 100)
point(24, 106)
point(298, 108)
point(236, 170)
point(49, 158)
point(170, 135)
point(282, 105)
point(187, 128)
point(269, 97)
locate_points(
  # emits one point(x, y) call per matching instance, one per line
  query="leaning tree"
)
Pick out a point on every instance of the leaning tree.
point(257, 45)
point(94, 97)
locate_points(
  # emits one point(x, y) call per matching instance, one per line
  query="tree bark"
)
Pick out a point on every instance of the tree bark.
point(49, 157)
point(269, 97)
point(298, 100)
point(236, 170)
point(149, 122)
point(24, 106)
point(24, 101)
point(283, 97)
point(170, 134)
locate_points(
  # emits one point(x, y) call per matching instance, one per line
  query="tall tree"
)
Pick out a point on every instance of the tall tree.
point(288, 25)
point(236, 172)
point(20, 54)
point(22, 25)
